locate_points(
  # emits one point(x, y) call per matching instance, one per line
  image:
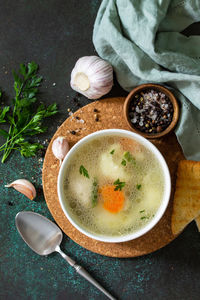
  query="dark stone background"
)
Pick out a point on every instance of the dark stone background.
point(55, 34)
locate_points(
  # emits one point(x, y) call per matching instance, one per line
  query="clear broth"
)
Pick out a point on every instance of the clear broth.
point(143, 190)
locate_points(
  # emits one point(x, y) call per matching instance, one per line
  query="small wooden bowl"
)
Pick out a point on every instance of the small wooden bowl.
point(159, 88)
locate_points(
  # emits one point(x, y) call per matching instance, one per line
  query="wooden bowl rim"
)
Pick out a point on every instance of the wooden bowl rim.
point(169, 95)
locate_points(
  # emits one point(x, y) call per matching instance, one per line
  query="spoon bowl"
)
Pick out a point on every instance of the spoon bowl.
point(45, 237)
point(39, 233)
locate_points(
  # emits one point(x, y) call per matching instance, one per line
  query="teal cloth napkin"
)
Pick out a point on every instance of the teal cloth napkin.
point(142, 41)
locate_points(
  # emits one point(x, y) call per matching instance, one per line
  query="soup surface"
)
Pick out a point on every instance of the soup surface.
point(113, 186)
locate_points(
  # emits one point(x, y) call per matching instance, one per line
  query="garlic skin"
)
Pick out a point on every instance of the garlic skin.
point(60, 147)
point(25, 187)
point(92, 77)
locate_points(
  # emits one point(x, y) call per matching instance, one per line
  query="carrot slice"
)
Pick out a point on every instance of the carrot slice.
point(113, 200)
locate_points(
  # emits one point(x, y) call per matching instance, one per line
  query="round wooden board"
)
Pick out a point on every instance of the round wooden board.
point(110, 112)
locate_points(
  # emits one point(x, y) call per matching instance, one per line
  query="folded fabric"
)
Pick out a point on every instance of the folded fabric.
point(143, 43)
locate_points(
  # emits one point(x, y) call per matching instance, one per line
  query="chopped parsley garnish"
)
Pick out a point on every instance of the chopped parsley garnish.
point(138, 186)
point(141, 211)
point(119, 185)
point(83, 171)
point(144, 217)
point(129, 157)
point(123, 162)
point(112, 152)
point(94, 192)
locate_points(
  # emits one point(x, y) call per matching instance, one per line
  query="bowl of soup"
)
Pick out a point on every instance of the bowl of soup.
point(114, 185)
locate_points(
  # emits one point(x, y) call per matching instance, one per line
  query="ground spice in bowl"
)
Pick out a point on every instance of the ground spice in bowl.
point(151, 110)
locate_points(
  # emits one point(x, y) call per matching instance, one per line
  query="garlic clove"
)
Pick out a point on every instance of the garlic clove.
point(60, 147)
point(92, 77)
point(25, 187)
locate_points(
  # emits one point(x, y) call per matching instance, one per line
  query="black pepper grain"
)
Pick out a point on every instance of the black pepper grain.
point(76, 99)
point(10, 203)
point(73, 132)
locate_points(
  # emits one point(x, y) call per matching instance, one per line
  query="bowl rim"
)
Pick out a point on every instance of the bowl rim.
point(169, 94)
point(158, 214)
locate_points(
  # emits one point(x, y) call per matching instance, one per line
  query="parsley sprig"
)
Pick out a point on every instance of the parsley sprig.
point(119, 185)
point(83, 171)
point(23, 118)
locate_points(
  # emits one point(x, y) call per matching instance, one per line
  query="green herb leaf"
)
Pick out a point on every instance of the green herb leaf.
point(83, 171)
point(141, 211)
point(24, 119)
point(94, 197)
point(3, 113)
point(129, 157)
point(51, 110)
point(119, 185)
point(112, 152)
point(123, 162)
point(27, 149)
point(138, 186)
point(22, 68)
point(144, 217)
point(32, 68)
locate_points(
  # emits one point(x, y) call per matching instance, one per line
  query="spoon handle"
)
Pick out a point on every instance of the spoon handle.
point(80, 270)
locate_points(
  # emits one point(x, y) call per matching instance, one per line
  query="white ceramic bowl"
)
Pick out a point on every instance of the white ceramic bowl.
point(164, 202)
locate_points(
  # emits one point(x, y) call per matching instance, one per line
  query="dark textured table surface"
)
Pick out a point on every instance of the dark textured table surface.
point(55, 33)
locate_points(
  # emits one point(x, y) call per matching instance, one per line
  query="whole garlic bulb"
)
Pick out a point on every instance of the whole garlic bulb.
point(92, 77)
point(60, 147)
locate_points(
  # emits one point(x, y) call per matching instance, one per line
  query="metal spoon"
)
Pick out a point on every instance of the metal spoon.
point(44, 237)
